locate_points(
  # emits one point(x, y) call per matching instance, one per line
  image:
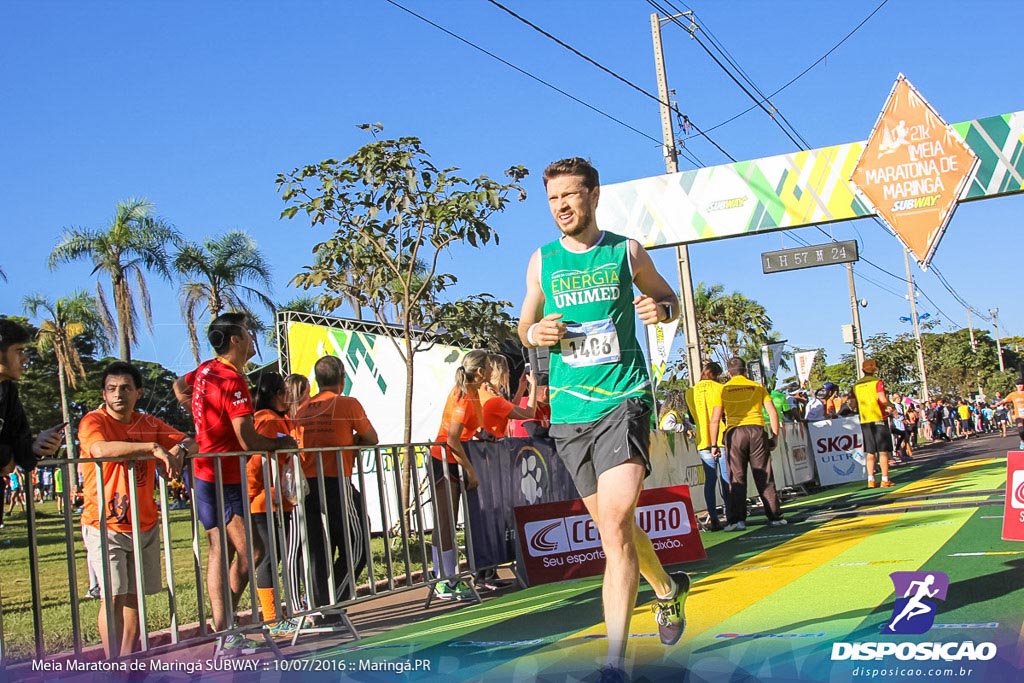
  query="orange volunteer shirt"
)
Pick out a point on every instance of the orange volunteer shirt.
point(99, 426)
point(269, 424)
point(495, 409)
point(330, 420)
point(465, 410)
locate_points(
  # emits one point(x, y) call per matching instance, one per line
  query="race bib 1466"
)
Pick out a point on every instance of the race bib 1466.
point(591, 343)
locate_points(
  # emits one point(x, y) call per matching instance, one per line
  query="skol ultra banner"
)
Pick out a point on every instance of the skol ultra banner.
point(1013, 514)
point(838, 447)
point(560, 541)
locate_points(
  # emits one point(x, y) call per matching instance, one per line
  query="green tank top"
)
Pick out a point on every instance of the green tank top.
point(599, 363)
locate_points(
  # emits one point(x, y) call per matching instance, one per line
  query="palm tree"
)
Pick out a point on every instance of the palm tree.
point(728, 323)
point(224, 273)
point(69, 317)
point(134, 240)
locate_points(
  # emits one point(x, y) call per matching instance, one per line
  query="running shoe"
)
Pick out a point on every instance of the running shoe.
point(778, 522)
point(670, 614)
point(887, 484)
point(738, 526)
point(284, 627)
point(611, 674)
point(871, 483)
point(460, 591)
point(235, 644)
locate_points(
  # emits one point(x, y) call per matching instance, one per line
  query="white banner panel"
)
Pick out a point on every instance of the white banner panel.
point(838, 448)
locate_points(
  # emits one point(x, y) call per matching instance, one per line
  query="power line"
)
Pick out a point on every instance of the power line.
point(524, 72)
point(760, 104)
point(808, 69)
point(608, 71)
point(729, 73)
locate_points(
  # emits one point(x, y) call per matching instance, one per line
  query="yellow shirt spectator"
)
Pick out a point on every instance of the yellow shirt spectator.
point(702, 399)
point(742, 399)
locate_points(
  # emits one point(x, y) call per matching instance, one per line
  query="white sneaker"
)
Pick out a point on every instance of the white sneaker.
point(738, 526)
point(778, 522)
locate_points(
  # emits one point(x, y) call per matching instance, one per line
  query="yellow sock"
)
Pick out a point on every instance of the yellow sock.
point(267, 604)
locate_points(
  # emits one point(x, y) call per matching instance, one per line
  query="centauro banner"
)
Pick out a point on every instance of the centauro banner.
point(560, 541)
point(789, 190)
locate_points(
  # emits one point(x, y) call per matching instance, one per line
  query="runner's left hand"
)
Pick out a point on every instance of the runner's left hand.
point(646, 309)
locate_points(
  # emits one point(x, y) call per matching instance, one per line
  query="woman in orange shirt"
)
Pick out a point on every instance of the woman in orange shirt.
point(271, 420)
point(296, 392)
point(497, 408)
point(461, 421)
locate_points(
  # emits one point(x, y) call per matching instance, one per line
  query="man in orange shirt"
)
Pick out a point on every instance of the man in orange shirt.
point(1015, 399)
point(116, 430)
point(331, 420)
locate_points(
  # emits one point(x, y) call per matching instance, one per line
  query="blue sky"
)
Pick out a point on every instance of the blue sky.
point(197, 106)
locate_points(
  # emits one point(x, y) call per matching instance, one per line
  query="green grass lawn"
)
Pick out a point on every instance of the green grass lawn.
point(55, 591)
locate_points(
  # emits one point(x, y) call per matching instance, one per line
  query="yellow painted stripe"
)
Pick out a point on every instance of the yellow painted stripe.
point(973, 473)
point(743, 583)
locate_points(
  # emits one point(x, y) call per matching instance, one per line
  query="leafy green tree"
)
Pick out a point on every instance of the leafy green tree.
point(395, 216)
point(224, 273)
point(134, 241)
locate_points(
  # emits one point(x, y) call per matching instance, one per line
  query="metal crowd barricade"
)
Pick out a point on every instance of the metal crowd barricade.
point(405, 570)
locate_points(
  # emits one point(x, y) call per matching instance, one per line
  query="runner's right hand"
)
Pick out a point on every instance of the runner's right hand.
point(550, 329)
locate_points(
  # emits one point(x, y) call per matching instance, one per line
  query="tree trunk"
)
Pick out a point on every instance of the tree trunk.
point(124, 316)
point(65, 410)
point(356, 308)
point(409, 457)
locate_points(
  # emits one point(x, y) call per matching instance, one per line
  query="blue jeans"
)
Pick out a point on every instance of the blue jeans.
point(710, 480)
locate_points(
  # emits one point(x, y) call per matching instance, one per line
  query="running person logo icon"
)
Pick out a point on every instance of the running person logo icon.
point(914, 612)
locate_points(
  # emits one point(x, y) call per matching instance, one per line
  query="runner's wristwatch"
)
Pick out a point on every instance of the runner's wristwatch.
point(669, 310)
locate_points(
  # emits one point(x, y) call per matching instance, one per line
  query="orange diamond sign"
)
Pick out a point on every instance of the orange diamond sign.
point(914, 169)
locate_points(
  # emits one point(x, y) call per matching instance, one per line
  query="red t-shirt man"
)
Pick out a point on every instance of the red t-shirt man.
point(219, 394)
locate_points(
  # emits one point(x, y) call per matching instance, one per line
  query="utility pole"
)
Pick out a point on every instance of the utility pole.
point(858, 335)
point(974, 347)
point(917, 327)
point(999, 345)
point(688, 310)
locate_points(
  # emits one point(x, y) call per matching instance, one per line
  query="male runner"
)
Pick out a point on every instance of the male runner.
point(580, 302)
point(1015, 401)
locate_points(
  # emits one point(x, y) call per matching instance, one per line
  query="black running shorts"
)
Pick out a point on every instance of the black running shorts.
point(877, 437)
point(589, 449)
